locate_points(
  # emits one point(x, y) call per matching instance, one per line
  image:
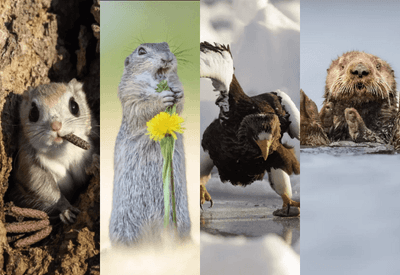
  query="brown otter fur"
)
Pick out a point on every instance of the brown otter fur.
point(311, 131)
point(366, 84)
point(396, 133)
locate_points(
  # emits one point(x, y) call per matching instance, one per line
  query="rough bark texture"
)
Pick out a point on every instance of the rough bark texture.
point(45, 41)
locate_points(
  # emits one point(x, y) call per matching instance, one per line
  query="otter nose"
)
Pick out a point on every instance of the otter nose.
point(360, 70)
point(56, 126)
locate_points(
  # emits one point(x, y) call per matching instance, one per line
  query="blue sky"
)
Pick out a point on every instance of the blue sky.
point(330, 28)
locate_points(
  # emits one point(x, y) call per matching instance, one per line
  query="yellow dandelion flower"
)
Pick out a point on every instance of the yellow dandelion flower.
point(163, 124)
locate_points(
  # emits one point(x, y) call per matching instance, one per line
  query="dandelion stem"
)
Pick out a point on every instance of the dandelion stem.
point(173, 195)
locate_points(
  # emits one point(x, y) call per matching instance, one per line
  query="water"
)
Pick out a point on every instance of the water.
point(349, 222)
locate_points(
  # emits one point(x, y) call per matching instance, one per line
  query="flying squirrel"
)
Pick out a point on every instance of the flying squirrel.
point(56, 146)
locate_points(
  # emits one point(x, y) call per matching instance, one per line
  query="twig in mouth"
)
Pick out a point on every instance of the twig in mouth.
point(75, 140)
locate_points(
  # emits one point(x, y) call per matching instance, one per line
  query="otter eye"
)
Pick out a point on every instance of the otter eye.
point(34, 113)
point(142, 51)
point(73, 107)
point(378, 66)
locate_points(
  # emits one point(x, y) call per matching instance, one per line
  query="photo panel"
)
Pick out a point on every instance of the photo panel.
point(49, 145)
point(250, 127)
point(145, 43)
point(350, 136)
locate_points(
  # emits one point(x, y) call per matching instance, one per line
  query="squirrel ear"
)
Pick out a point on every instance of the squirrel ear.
point(126, 61)
point(75, 84)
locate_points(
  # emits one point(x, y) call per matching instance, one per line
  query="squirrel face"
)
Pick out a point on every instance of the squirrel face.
point(51, 111)
point(155, 58)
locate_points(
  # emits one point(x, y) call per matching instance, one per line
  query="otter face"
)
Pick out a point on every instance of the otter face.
point(155, 58)
point(362, 77)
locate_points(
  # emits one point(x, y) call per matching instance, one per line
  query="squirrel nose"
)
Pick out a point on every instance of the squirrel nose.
point(56, 126)
point(166, 60)
point(360, 70)
point(168, 57)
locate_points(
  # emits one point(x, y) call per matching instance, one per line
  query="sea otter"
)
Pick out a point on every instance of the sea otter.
point(361, 100)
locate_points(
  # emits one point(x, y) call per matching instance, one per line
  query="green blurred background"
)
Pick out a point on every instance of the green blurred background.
point(124, 26)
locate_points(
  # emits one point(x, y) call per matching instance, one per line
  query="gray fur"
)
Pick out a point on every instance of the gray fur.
point(46, 173)
point(138, 198)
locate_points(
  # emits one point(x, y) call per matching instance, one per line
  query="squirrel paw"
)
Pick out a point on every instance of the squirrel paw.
point(167, 98)
point(68, 216)
point(178, 94)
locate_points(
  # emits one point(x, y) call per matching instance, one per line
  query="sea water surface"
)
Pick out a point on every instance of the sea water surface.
point(350, 211)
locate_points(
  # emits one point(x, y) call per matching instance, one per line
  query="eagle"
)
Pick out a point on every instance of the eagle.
point(245, 142)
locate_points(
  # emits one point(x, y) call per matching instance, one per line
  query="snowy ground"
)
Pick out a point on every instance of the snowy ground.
point(265, 44)
point(350, 212)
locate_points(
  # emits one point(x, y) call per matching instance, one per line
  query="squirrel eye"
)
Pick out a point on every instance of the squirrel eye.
point(34, 113)
point(73, 107)
point(142, 51)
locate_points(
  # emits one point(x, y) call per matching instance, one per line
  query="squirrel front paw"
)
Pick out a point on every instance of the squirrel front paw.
point(68, 216)
point(167, 98)
point(67, 211)
point(178, 93)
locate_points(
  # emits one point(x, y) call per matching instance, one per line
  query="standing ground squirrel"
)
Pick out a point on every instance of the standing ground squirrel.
point(138, 199)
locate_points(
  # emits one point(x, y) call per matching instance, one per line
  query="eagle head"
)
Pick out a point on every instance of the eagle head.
point(262, 130)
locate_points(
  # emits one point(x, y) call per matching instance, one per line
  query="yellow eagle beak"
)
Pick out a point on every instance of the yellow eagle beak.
point(264, 146)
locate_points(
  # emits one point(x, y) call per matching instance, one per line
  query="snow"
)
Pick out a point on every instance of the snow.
point(267, 255)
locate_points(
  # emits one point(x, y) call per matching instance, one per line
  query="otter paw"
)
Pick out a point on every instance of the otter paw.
point(68, 216)
point(355, 123)
point(357, 129)
point(168, 98)
point(326, 116)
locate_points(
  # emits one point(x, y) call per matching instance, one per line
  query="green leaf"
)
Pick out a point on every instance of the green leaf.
point(162, 86)
point(171, 110)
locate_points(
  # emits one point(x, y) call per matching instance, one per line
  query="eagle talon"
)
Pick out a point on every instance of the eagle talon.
point(295, 211)
point(205, 196)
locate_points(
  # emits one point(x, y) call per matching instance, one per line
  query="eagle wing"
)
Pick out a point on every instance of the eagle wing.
point(294, 118)
point(216, 63)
